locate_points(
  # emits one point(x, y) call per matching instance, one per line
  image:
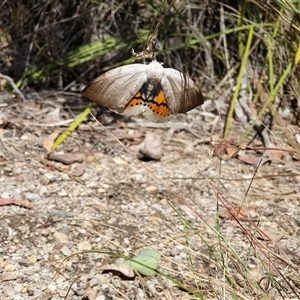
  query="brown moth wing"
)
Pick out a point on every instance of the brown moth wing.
point(116, 87)
point(184, 95)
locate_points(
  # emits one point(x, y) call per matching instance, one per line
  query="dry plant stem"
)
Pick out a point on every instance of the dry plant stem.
point(222, 25)
point(239, 109)
point(251, 236)
point(278, 119)
point(229, 75)
point(145, 284)
point(263, 132)
point(16, 89)
point(12, 151)
point(61, 123)
point(283, 16)
point(219, 91)
point(36, 27)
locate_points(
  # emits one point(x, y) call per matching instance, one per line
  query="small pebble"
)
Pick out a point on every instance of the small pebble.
point(50, 176)
point(65, 229)
point(24, 262)
point(6, 195)
point(36, 292)
point(119, 161)
point(94, 282)
point(8, 276)
point(17, 196)
point(20, 297)
point(18, 288)
point(62, 193)
point(52, 287)
point(61, 237)
point(85, 245)
point(32, 197)
point(151, 188)
point(141, 294)
point(65, 251)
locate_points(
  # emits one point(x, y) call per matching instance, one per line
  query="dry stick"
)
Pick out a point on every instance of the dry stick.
point(145, 283)
point(278, 119)
point(16, 89)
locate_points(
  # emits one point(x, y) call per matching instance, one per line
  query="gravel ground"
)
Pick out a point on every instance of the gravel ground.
point(117, 205)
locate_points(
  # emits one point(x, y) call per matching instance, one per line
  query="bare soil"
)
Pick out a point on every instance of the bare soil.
point(117, 205)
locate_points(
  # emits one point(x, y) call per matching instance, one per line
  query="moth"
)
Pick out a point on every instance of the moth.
point(146, 90)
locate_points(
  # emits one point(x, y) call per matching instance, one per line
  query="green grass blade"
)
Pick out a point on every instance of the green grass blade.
point(73, 126)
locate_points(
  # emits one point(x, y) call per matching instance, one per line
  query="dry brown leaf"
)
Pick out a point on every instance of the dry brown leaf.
point(231, 151)
point(248, 159)
point(9, 201)
point(234, 213)
point(49, 140)
point(222, 146)
point(274, 153)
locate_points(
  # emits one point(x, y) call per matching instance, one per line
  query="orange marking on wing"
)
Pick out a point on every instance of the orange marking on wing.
point(159, 105)
point(136, 100)
point(160, 98)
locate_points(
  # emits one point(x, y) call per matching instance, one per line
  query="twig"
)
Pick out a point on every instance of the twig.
point(12, 83)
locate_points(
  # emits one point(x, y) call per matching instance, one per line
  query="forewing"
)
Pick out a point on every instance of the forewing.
point(181, 91)
point(116, 87)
